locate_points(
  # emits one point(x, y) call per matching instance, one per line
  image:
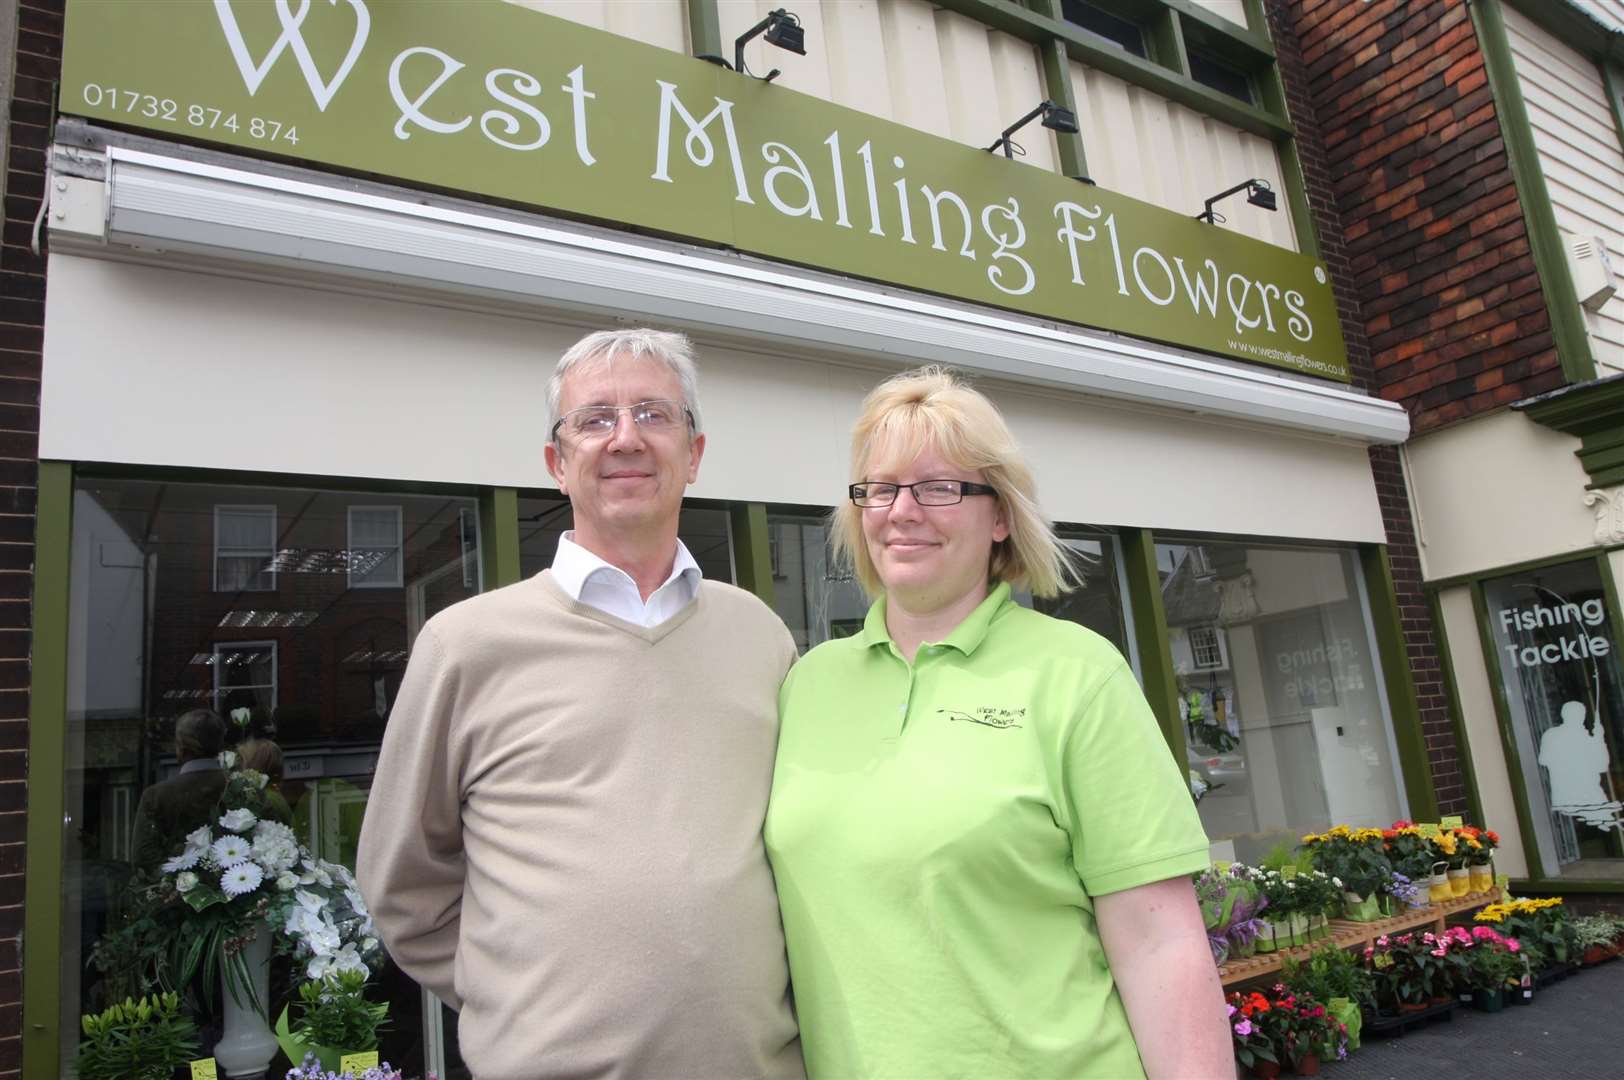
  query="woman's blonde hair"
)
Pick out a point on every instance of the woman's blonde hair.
point(933, 407)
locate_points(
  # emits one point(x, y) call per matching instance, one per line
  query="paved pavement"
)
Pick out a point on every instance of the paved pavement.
point(1572, 1031)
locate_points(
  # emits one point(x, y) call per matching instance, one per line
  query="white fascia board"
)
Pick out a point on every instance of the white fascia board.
point(159, 204)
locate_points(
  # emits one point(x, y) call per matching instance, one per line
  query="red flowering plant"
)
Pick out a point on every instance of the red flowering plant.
point(1248, 1028)
point(1302, 1027)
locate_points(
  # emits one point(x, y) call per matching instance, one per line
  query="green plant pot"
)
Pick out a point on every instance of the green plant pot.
point(1490, 1001)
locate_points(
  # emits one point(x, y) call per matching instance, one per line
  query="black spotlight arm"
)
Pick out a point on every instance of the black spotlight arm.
point(1004, 139)
point(1245, 185)
point(779, 19)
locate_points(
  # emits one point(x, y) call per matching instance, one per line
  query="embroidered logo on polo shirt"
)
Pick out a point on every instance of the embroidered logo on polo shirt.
point(987, 716)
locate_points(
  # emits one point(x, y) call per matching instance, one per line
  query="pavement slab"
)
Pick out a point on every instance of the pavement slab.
point(1570, 1032)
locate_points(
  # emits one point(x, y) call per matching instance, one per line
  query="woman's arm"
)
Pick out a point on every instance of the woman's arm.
point(1157, 947)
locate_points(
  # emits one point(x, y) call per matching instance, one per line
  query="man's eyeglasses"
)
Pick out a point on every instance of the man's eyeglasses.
point(925, 492)
point(598, 421)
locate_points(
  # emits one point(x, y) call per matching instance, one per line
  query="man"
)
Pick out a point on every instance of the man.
point(563, 838)
point(171, 808)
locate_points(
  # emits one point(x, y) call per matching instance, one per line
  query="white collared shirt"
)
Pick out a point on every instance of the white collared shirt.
point(599, 584)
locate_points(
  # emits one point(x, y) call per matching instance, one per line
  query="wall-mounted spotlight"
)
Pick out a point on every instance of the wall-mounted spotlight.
point(782, 28)
point(1055, 118)
point(1258, 193)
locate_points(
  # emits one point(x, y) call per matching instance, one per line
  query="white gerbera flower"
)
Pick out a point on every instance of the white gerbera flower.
point(184, 861)
point(240, 878)
point(238, 820)
point(185, 882)
point(231, 850)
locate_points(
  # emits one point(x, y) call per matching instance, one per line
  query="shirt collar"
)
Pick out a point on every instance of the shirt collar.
point(966, 637)
point(574, 566)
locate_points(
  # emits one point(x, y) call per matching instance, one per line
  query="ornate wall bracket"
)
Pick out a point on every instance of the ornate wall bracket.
point(1608, 506)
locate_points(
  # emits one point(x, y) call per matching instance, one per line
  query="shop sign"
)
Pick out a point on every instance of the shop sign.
point(1557, 655)
point(505, 102)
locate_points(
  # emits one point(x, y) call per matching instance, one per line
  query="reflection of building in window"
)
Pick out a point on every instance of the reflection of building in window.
point(244, 548)
point(1206, 647)
point(375, 538)
point(245, 677)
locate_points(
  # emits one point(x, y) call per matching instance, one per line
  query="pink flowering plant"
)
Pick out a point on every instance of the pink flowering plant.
point(1495, 959)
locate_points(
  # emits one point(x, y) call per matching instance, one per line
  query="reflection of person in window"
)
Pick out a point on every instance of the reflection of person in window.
point(1574, 758)
point(171, 809)
point(263, 755)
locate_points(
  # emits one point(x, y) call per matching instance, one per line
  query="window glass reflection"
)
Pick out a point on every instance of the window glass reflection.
point(288, 612)
point(545, 516)
point(1284, 717)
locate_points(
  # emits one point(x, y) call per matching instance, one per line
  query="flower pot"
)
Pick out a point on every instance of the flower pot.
point(1265, 1070)
point(1490, 1001)
point(1438, 890)
point(1361, 908)
point(1595, 954)
point(1482, 878)
point(1460, 882)
point(1307, 1065)
point(1413, 1006)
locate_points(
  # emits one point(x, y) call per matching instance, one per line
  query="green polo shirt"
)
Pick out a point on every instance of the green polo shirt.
point(937, 831)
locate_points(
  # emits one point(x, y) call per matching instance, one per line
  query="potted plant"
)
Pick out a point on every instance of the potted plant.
point(1338, 978)
point(1408, 851)
point(310, 1069)
point(333, 1019)
point(1480, 857)
point(1319, 894)
point(1304, 1031)
point(138, 1039)
point(1359, 860)
point(1399, 892)
point(1494, 963)
point(1596, 937)
point(1253, 1047)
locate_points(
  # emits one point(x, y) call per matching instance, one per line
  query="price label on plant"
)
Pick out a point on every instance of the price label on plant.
point(1428, 828)
point(203, 1069)
point(358, 1063)
point(1453, 821)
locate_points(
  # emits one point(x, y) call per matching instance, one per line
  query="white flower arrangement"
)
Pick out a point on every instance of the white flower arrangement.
point(254, 872)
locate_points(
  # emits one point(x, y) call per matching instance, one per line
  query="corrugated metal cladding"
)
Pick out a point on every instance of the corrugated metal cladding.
point(941, 72)
point(1579, 152)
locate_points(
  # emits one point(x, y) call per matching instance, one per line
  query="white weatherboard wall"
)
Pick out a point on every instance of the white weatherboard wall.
point(1476, 701)
point(1581, 157)
point(1459, 480)
point(1144, 145)
point(169, 367)
point(913, 63)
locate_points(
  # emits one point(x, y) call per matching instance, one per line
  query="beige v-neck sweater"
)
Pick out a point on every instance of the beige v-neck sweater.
point(563, 837)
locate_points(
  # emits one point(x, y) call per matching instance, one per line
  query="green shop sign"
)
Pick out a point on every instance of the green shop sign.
point(502, 101)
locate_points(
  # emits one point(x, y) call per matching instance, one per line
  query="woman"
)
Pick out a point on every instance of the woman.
point(981, 843)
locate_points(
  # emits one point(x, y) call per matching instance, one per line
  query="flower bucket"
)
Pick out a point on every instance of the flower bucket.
point(1489, 1001)
point(1438, 890)
point(1307, 1065)
point(1301, 927)
point(1265, 1070)
point(1319, 928)
point(1361, 908)
point(1482, 878)
point(296, 1049)
point(1240, 951)
point(1460, 882)
point(1347, 1012)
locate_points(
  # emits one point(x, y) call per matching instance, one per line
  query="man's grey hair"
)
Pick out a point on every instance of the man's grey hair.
point(199, 734)
point(675, 351)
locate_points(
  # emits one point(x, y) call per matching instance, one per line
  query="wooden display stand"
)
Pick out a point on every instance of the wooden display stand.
point(1356, 935)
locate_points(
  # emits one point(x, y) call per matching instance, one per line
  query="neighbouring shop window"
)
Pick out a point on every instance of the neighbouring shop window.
point(816, 599)
point(1556, 652)
point(240, 599)
point(1212, 72)
point(545, 516)
point(244, 540)
point(1285, 718)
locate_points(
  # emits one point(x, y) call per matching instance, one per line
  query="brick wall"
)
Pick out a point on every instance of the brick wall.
point(1437, 251)
point(22, 317)
point(1342, 255)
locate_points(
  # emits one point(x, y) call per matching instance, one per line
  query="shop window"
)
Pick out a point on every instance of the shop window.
point(1556, 653)
point(545, 516)
point(1123, 33)
point(191, 596)
point(1100, 603)
point(1212, 72)
point(374, 547)
point(816, 599)
point(244, 548)
point(1285, 718)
